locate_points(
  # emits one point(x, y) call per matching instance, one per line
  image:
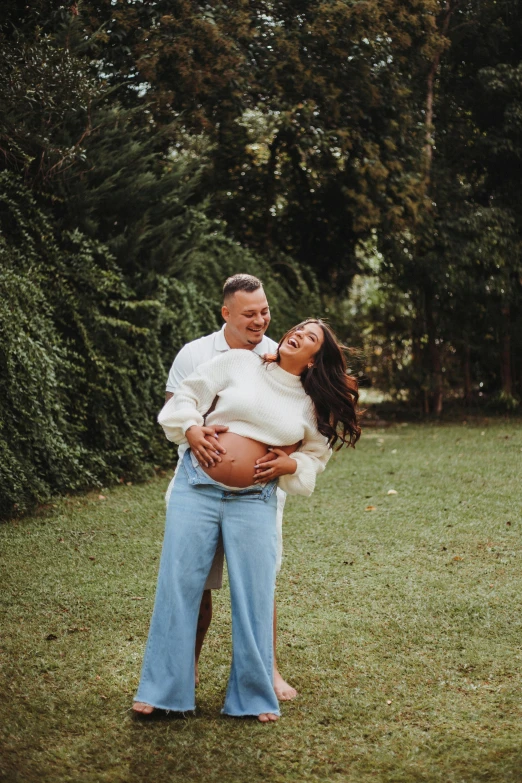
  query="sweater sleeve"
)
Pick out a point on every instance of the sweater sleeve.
point(195, 395)
point(311, 457)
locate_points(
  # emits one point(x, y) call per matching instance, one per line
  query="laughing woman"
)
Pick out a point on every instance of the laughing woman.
point(301, 396)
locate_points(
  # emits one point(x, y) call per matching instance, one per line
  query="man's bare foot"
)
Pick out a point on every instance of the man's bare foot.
point(267, 717)
point(142, 708)
point(283, 690)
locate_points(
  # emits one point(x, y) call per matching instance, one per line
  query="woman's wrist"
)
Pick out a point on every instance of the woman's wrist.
point(293, 466)
point(191, 426)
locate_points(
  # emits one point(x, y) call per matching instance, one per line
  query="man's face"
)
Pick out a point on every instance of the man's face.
point(247, 316)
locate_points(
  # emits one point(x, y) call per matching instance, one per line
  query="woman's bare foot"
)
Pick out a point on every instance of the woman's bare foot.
point(142, 708)
point(283, 690)
point(267, 717)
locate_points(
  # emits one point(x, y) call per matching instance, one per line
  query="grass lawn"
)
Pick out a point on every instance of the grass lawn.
point(399, 625)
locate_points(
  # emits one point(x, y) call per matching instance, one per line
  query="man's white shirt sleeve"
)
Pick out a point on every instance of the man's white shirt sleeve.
point(182, 367)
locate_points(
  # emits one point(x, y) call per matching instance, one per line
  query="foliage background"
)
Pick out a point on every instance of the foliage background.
point(363, 159)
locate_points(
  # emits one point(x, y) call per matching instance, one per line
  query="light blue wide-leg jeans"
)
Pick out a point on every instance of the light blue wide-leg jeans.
point(198, 509)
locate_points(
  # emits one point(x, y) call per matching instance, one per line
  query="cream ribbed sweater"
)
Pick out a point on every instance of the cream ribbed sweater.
point(256, 400)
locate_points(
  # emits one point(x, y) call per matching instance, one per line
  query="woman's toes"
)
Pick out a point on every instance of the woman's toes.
point(142, 708)
point(266, 717)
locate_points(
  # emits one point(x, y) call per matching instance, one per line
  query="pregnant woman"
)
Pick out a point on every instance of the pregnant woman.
point(284, 414)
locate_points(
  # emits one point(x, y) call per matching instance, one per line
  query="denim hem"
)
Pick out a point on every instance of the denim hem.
point(250, 714)
point(162, 706)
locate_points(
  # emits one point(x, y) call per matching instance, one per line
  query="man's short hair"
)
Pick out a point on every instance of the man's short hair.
point(240, 283)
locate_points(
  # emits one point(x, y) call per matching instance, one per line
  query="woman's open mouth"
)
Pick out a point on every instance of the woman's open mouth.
point(293, 342)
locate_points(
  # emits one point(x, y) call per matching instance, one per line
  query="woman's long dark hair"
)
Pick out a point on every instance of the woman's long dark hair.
point(334, 393)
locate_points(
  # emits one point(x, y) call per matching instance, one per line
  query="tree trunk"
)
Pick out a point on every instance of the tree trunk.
point(271, 190)
point(434, 360)
point(449, 8)
point(466, 367)
point(417, 357)
point(506, 376)
point(425, 402)
point(435, 364)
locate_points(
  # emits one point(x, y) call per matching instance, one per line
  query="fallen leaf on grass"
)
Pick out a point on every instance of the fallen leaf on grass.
point(371, 508)
point(138, 598)
point(389, 701)
point(457, 557)
point(392, 492)
point(102, 497)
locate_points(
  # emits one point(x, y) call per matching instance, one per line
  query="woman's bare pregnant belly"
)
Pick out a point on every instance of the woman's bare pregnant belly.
point(237, 466)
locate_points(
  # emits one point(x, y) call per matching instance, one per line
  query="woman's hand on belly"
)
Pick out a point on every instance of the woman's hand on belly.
point(270, 467)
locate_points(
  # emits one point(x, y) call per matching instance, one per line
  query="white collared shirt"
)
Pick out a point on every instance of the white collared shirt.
point(203, 350)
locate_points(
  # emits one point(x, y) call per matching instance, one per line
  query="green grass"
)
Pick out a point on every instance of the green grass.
point(400, 627)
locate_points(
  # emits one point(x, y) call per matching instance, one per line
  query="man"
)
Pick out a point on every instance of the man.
point(247, 316)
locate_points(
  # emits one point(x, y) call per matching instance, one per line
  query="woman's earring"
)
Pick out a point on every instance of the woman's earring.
point(310, 366)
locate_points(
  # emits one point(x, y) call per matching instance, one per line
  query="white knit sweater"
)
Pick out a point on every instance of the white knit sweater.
point(256, 400)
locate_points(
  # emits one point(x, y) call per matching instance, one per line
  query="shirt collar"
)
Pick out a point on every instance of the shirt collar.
point(222, 345)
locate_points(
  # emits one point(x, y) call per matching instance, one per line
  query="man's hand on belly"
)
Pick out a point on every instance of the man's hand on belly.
point(274, 464)
point(204, 443)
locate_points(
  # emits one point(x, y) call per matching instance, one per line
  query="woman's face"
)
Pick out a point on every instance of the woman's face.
point(301, 345)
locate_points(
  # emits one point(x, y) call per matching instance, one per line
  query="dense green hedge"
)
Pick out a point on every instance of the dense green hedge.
point(70, 359)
